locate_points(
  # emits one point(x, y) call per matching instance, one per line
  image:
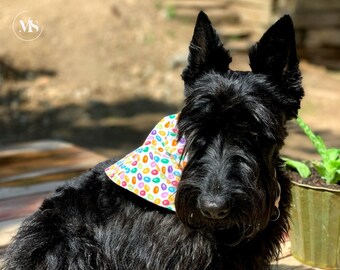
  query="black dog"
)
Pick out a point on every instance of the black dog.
point(232, 201)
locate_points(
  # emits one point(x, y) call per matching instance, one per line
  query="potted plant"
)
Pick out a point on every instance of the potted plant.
point(315, 213)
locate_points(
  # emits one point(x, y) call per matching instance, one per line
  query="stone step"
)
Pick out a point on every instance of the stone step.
point(217, 16)
point(235, 31)
point(197, 4)
point(252, 16)
point(242, 45)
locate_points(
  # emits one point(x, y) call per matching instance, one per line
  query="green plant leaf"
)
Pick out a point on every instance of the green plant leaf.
point(301, 167)
point(334, 164)
point(333, 172)
point(328, 174)
point(329, 166)
point(332, 154)
point(316, 140)
point(320, 168)
point(337, 177)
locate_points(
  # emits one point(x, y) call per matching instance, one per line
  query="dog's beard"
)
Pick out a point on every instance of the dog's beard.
point(236, 228)
point(234, 232)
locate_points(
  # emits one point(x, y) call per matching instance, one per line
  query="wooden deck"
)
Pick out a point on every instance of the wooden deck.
point(31, 171)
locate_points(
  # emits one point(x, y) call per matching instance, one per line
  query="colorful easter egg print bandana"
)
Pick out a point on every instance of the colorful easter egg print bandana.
point(153, 170)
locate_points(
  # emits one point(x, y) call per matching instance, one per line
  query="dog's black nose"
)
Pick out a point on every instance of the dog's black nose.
point(213, 207)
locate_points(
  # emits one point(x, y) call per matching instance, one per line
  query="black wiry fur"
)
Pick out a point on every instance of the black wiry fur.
point(234, 125)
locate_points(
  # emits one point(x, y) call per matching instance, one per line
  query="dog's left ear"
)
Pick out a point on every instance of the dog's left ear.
point(206, 52)
point(276, 50)
point(275, 55)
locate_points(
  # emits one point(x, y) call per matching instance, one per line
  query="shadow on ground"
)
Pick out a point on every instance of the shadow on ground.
point(327, 57)
point(96, 125)
point(9, 72)
point(111, 129)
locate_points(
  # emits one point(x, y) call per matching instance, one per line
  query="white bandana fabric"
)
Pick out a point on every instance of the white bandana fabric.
point(153, 170)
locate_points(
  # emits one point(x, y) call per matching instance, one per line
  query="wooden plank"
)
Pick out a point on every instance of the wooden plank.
point(33, 161)
point(25, 190)
point(18, 207)
point(34, 146)
point(45, 161)
point(29, 172)
point(45, 175)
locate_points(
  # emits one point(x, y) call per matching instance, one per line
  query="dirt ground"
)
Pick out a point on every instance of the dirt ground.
point(104, 72)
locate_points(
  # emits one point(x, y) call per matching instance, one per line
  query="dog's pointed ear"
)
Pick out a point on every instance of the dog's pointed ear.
point(275, 55)
point(206, 51)
point(276, 50)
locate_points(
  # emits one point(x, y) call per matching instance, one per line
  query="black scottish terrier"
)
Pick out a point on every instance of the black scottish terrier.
point(233, 197)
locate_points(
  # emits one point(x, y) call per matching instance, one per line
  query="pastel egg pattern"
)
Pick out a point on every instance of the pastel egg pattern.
point(153, 170)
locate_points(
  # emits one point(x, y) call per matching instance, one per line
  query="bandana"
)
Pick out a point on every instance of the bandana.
point(153, 170)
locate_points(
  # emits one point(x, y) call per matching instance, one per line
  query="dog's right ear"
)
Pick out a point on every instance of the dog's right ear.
point(275, 52)
point(206, 51)
point(275, 55)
